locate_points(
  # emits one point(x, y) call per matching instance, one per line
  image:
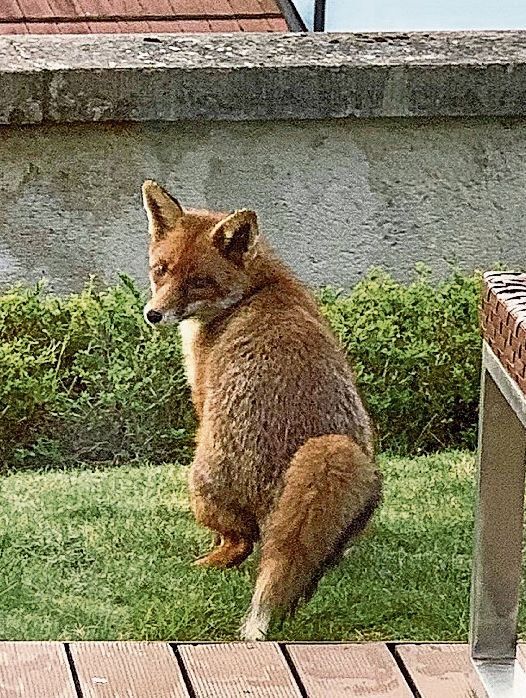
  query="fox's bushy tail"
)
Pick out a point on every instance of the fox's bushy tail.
point(330, 492)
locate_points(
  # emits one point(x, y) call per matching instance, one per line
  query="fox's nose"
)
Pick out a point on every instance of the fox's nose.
point(154, 316)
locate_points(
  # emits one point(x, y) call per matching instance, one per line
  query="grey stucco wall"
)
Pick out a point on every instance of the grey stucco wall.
point(335, 197)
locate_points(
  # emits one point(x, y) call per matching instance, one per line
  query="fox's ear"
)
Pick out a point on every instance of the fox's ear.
point(163, 210)
point(236, 235)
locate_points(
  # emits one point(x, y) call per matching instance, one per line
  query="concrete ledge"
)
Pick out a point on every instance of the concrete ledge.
point(261, 76)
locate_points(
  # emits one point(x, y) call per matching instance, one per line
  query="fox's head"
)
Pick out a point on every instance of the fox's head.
point(198, 259)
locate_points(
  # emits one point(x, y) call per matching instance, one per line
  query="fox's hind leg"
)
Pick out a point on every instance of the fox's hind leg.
point(235, 531)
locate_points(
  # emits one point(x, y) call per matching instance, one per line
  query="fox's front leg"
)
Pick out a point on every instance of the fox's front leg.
point(235, 531)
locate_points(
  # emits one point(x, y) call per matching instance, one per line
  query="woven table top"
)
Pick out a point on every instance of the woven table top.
point(504, 321)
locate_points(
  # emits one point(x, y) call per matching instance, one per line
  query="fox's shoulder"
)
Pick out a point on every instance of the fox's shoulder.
point(277, 322)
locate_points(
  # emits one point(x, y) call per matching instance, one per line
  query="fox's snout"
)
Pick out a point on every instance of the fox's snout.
point(157, 317)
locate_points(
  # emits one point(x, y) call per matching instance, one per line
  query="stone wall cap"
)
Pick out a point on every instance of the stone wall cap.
point(86, 78)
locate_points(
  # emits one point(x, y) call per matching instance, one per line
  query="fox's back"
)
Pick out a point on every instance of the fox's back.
point(274, 378)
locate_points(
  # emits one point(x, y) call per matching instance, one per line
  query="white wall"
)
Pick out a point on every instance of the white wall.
point(336, 197)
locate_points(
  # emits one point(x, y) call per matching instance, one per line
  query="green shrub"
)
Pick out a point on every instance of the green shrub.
point(84, 380)
point(416, 352)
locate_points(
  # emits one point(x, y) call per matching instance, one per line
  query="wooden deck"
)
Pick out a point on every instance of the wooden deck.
point(159, 670)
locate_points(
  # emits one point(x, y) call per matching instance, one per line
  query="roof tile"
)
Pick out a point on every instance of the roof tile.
point(195, 26)
point(160, 8)
point(63, 8)
point(192, 8)
point(42, 28)
point(278, 24)
point(94, 8)
point(224, 25)
point(35, 8)
point(245, 7)
point(10, 10)
point(269, 7)
point(13, 28)
point(135, 26)
point(73, 28)
point(105, 27)
point(254, 25)
point(127, 8)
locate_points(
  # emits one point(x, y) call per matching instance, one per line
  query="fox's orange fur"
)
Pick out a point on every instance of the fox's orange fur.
point(284, 446)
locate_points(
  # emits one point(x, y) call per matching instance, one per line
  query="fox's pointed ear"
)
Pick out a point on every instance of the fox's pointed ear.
point(163, 210)
point(236, 235)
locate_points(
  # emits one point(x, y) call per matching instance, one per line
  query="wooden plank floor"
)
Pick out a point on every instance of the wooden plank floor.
point(162, 670)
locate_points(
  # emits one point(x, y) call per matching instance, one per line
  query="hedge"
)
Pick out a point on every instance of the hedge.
point(83, 380)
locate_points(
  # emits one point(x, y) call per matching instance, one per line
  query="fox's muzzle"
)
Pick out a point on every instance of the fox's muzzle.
point(157, 317)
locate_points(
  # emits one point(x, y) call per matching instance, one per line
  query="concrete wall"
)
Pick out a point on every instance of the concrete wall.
point(335, 195)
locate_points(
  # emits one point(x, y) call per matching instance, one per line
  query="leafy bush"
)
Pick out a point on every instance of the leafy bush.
point(416, 352)
point(83, 379)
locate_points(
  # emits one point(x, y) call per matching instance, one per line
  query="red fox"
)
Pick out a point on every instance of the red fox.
point(284, 449)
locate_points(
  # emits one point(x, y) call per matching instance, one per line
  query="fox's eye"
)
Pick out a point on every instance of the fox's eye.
point(160, 269)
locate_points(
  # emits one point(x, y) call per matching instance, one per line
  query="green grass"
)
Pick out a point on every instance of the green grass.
point(107, 554)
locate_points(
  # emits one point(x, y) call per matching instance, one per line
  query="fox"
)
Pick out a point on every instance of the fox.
point(285, 448)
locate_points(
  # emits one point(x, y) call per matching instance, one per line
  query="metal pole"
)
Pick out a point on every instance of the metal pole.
point(319, 15)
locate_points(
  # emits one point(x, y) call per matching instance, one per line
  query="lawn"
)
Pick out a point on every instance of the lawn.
point(107, 554)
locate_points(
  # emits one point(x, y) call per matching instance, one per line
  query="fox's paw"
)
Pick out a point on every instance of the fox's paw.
point(228, 554)
point(210, 560)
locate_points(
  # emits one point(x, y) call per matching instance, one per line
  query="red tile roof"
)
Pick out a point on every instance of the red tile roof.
point(142, 16)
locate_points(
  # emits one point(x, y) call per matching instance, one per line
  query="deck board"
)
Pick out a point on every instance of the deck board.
point(440, 670)
point(35, 670)
point(127, 669)
point(343, 670)
point(233, 670)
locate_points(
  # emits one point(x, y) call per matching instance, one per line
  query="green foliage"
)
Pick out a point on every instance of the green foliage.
point(83, 379)
point(416, 351)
